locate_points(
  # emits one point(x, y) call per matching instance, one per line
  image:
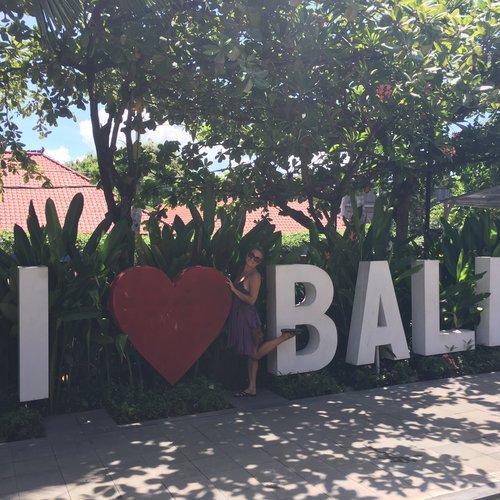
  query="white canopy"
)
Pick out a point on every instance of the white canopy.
point(485, 198)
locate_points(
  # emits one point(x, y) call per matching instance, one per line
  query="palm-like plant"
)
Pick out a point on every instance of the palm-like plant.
point(78, 280)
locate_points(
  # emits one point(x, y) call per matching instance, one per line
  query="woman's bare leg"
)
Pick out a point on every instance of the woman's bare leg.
point(253, 360)
point(269, 345)
point(253, 366)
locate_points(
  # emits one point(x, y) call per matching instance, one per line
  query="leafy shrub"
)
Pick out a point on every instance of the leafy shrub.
point(306, 385)
point(294, 243)
point(7, 241)
point(435, 367)
point(21, 423)
point(397, 372)
point(356, 377)
point(128, 403)
point(481, 359)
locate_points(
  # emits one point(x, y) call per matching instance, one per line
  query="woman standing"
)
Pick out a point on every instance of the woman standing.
point(244, 326)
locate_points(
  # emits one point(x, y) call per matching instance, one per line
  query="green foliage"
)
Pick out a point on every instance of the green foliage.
point(305, 385)
point(458, 249)
point(167, 175)
point(21, 423)
point(87, 166)
point(401, 76)
point(7, 241)
point(78, 279)
point(435, 367)
point(293, 246)
point(263, 82)
point(176, 246)
point(129, 404)
point(481, 359)
point(397, 372)
point(356, 377)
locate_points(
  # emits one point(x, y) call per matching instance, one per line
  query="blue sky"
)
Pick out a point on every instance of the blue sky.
point(72, 140)
point(66, 142)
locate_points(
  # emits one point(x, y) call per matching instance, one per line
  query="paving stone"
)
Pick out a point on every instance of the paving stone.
point(47, 484)
point(8, 486)
point(98, 490)
point(95, 422)
point(61, 425)
point(33, 448)
point(6, 470)
point(81, 475)
point(188, 485)
point(5, 453)
point(417, 441)
point(36, 465)
point(141, 486)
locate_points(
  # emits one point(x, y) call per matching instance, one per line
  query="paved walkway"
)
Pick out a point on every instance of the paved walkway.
point(424, 440)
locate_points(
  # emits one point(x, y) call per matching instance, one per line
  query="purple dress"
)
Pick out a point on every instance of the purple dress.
point(243, 321)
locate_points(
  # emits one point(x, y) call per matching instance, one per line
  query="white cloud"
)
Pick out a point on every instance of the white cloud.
point(61, 154)
point(80, 158)
point(162, 133)
point(86, 129)
point(86, 133)
point(167, 132)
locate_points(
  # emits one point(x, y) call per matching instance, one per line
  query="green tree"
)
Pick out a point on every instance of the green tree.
point(87, 166)
point(324, 97)
point(169, 176)
point(132, 64)
point(310, 99)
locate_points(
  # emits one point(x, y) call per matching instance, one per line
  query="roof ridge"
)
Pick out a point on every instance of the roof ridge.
point(79, 174)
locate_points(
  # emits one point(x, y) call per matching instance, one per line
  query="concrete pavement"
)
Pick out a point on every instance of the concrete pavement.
point(438, 439)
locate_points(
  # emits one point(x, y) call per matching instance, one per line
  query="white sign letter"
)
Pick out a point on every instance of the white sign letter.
point(375, 320)
point(488, 330)
point(33, 333)
point(284, 313)
point(427, 338)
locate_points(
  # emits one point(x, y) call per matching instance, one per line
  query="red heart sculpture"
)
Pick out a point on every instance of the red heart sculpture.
point(171, 323)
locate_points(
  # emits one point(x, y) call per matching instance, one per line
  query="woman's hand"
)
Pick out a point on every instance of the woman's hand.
point(253, 288)
point(230, 283)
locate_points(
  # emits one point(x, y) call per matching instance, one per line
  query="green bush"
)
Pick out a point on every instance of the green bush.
point(436, 367)
point(480, 360)
point(7, 241)
point(397, 372)
point(305, 385)
point(129, 404)
point(295, 241)
point(357, 377)
point(21, 423)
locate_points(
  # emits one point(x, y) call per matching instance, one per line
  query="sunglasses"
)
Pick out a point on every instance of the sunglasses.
point(255, 258)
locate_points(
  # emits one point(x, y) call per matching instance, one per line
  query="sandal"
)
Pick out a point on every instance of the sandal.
point(243, 394)
point(293, 332)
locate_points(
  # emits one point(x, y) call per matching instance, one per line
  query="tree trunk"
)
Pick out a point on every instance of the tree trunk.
point(402, 195)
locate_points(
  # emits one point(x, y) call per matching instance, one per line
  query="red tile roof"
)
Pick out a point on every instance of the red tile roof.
point(66, 183)
point(283, 223)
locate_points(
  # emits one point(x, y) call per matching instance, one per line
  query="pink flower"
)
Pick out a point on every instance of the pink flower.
point(449, 151)
point(383, 92)
point(450, 361)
